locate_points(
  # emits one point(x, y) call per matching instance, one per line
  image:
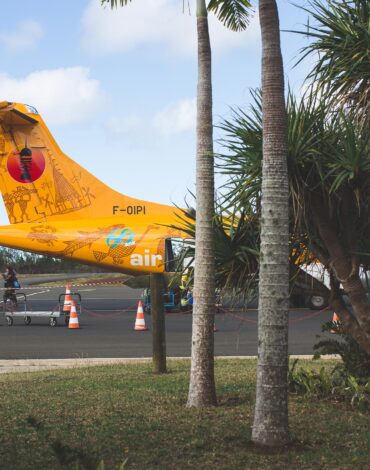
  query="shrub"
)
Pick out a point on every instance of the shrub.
point(303, 381)
point(356, 361)
point(330, 384)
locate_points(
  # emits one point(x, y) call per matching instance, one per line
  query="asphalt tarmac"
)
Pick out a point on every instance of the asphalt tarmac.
point(107, 320)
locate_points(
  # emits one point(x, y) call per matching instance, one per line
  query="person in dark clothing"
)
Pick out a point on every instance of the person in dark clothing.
point(10, 284)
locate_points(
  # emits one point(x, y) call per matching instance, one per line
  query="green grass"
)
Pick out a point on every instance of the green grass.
point(81, 279)
point(52, 420)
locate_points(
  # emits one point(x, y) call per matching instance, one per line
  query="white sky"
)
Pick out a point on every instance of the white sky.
point(118, 88)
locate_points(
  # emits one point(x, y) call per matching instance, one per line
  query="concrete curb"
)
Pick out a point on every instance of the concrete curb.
point(32, 365)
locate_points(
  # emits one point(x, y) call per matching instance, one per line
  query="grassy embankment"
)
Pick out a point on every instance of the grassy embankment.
point(54, 419)
point(50, 280)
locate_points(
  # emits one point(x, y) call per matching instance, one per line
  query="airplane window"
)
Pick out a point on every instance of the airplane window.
point(31, 109)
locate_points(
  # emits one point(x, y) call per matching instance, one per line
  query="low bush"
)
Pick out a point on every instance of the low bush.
point(349, 381)
point(333, 385)
point(355, 361)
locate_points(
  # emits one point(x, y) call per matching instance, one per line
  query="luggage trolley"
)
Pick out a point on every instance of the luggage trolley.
point(15, 305)
point(21, 309)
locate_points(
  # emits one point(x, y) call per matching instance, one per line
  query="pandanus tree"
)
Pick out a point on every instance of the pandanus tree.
point(329, 188)
point(340, 41)
point(342, 72)
point(339, 36)
point(236, 237)
point(234, 14)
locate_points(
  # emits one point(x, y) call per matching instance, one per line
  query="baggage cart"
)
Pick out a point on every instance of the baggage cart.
point(20, 308)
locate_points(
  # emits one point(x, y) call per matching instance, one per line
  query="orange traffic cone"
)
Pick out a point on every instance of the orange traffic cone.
point(140, 320)
point(336, 321)
point(67, 300)
point(73, 319)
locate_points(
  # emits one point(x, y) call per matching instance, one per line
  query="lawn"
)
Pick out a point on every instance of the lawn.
point(77, 418)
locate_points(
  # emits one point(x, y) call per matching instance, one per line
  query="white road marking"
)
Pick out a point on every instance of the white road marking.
point(40, 292)
point(29, 295)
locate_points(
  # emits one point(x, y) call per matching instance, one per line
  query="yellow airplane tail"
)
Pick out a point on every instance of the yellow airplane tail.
point(38, 181)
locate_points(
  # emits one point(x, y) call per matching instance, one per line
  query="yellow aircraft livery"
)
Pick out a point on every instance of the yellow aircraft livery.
point(56, 207)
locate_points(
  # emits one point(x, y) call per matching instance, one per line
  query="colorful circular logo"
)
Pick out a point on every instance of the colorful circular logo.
point(120, 237)
point(26, 166)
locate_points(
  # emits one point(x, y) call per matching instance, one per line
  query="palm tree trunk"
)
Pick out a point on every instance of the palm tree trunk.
point(158, 323)
point(202, 390)
point(270, 427)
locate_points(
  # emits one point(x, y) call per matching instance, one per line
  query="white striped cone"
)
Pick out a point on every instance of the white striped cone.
point(336, 321)
point(67, 299)
point(140, 320)
point(73, 319)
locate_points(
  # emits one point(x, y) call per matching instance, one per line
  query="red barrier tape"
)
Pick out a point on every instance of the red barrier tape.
point(63, 286)
point(116, 313)
point(295, 320)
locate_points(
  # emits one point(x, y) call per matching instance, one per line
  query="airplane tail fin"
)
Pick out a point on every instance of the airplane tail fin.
point(37, 180)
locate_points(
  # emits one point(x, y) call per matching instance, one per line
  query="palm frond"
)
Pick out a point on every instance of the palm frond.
point(234, 14)
point(341, 40)
point(327, 161)
point(236, 238)
point(114, 3)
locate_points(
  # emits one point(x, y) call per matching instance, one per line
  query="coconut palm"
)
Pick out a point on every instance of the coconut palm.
point(270, 427)
point(234, 14)
point(202, 391)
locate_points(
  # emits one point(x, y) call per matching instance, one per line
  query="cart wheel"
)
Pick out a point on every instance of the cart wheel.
point(66, 320)
point(53, 321)
point(27, 320)
point(9, 320)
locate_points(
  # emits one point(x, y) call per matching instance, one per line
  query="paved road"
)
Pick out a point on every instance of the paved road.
point(107, 321)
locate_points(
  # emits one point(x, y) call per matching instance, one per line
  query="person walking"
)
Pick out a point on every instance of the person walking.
point(10, 283)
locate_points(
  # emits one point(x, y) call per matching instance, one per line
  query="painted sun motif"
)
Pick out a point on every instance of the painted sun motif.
point(26, 166)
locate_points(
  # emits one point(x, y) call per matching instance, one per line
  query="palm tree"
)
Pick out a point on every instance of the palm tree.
point(202, 390)
point(234, 14)
point(270, 427)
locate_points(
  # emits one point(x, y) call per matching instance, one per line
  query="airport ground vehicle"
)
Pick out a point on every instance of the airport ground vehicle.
point(172, 300)
point(22, 309)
